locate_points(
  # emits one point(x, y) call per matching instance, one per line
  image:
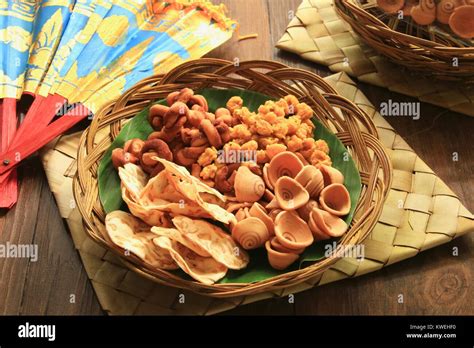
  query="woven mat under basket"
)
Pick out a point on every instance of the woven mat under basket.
point(316, 33)
point(421, 212)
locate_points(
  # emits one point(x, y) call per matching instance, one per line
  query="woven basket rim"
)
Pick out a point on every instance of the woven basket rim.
point(383, 26)
point(416, 53)
point(376, 172)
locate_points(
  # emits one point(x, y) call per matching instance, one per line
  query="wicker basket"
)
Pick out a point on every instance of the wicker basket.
point(423, 49)
point(353, 127)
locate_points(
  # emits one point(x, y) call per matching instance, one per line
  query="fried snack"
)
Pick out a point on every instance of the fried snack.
point(193, 190)
point(187, 134)
point(187, 124)
point(185, 207)
point(152, 217)
point(131, 234)
point(159, 197)
point(174, 234)
point(134, 179)
point(154, 148)
point(204, 269)
point(183, 174)
point(214, 240)
point(160, 187)
point(190, 169)
point(277, 126)
point(120, 158)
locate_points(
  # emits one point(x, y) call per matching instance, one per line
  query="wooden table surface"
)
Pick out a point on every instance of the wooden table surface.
point(434, 282)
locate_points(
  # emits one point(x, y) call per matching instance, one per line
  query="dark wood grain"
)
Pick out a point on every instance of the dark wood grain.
point(44, 286)
point(253, 18)
point(434, 282)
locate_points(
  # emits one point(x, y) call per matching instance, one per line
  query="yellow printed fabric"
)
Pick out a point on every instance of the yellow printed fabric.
point(51, 19)
point(129, 46)
point(91, 51)
point(83, 22)
point(16, 35)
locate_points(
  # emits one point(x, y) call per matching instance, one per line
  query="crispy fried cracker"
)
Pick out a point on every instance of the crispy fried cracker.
point(204, 269)
point(176, 235)
point(133, 235)
point(214, 240)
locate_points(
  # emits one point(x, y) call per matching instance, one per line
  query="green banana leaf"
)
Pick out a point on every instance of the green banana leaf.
point(258, 268)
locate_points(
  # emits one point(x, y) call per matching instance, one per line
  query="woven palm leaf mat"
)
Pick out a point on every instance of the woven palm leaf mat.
point(421, 212)
point(316, 33)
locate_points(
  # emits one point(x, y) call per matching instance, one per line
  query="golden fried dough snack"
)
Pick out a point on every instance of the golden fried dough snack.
point(214, 240)
point(204, 269)
point(172, 192)
point(174, 234)
point(131, 234)
point(195, 191)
